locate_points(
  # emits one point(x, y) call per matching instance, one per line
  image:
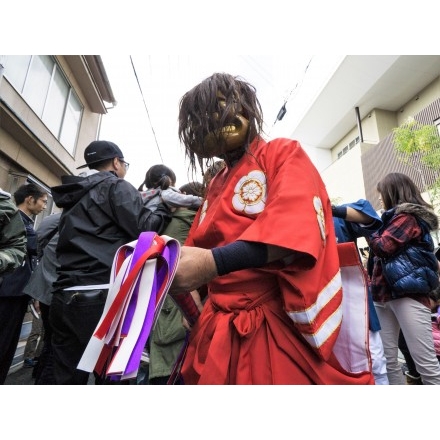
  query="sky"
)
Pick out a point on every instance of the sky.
point(148, 89)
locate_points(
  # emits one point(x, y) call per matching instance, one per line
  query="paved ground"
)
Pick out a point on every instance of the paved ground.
point(22, 376)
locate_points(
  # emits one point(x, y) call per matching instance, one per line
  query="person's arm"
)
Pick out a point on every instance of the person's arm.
point(13, 244)
point(351, 215)
point(199, 266)
point(358, 217)
point(175, 199)
point(401, 230)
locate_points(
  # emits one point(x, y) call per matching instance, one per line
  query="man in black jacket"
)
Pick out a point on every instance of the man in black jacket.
point(101, 212)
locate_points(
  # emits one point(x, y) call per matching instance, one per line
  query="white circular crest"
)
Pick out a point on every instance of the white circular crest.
point(250, 193)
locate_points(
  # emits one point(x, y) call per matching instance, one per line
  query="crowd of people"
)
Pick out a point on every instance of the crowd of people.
point(271, 266)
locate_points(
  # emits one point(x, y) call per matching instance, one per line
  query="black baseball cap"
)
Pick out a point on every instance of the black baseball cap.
point(97, 151)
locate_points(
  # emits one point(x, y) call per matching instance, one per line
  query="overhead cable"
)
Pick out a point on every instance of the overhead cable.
point(283, 109)
point(146, 108)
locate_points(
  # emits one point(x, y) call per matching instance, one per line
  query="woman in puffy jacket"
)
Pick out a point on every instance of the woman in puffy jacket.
point(405, 219)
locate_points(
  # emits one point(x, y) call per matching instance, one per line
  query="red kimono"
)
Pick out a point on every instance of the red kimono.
point(277, 324)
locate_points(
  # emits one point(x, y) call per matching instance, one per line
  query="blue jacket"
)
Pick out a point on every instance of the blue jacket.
point(413, 267)
point(349, 231)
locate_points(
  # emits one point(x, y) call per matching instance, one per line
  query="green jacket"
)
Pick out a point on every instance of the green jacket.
point(12, 235)
point(167, 338)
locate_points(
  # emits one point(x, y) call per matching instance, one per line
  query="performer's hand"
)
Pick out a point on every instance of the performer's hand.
point(196, 267)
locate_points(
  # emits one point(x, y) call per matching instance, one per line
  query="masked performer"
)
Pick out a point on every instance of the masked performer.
point(264, 244)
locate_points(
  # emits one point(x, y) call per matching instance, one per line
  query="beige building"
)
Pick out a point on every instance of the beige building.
point(348, 127)
point(51, 108)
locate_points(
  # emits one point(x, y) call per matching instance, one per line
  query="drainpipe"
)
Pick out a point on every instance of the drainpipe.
point(358, 120)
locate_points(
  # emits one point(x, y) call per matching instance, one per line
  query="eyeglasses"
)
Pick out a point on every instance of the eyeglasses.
point(126, 164)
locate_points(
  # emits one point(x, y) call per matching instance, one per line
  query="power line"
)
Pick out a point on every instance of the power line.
point(146, 108)
point(283, 109)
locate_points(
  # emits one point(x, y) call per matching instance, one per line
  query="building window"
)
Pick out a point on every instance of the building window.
point(349, 146)
point(44, 87)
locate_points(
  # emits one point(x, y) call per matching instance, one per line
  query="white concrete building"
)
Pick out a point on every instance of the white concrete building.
point(347, 128)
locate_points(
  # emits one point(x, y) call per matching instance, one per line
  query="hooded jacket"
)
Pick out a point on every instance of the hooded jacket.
point(347, 231)
point(402, 230)
point(101, 212)
point(12, 235)
point(13, 283)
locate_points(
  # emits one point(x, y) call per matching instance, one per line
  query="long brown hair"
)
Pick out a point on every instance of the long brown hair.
point(198, 106)
point(397, 188)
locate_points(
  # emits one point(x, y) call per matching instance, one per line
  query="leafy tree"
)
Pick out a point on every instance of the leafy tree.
point(417, 143)
point(412, 139)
